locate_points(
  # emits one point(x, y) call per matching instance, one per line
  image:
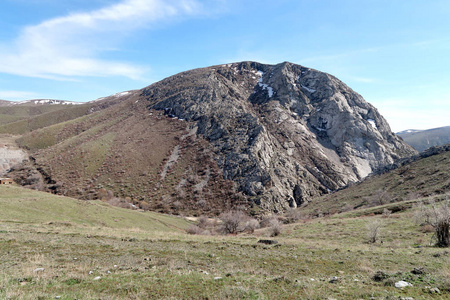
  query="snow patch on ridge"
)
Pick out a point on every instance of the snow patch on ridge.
point(263, 85)
point(46, 101)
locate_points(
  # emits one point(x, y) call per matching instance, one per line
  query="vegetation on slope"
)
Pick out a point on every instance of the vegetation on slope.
point(25, 119)
point(424, 177)
point(48, 252)
point(35, 208)
point(148, 159)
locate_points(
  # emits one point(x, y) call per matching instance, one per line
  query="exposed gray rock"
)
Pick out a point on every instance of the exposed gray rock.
point(9, 157)
point(402, 284)
point(434, 290)
point(38, 270)
point(283, 133)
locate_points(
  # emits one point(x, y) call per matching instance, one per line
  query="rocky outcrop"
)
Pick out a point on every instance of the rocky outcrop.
point(10, 156)
point(283, 133)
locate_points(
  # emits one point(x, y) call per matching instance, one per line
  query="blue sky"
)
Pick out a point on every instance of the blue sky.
point(395, 53)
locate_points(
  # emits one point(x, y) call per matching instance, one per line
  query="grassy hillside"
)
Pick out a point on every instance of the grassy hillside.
point(424, 177)
point(24, 206)
point(24, 118)
point(152, 160)
point(424, 139)
point(53, 247)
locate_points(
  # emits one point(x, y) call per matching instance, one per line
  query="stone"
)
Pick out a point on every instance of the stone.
point(434, 290)
point(418, 271)
point(402, 284)
point(334, 279)
point(97, 278)
point(38, 270)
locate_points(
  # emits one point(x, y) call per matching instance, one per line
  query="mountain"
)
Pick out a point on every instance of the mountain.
point(263, 136)
point(423, 139)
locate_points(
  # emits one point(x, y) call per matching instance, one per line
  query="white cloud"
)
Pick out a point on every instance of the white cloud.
point(16, 95)
point(71, 46)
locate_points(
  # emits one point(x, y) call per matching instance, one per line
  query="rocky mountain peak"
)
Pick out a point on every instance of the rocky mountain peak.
point(283, 133)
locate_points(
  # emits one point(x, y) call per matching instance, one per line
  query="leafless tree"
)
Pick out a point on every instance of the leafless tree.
point(233, 221)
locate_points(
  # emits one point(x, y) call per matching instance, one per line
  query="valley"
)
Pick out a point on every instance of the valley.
point(53, 246)
point(126, 196)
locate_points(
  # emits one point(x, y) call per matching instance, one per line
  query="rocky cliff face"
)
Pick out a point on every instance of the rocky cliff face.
point(283, 133)
point(10, 155)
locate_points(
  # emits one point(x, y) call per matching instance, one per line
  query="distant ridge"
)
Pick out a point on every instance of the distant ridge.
point(424, 139)
point(38, 102)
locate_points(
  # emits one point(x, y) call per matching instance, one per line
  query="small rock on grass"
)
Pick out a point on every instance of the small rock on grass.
point(434, 290)
point(334, 279)
point(97, 278)
point(418, 271)
point(38, 270)
point(401, 284)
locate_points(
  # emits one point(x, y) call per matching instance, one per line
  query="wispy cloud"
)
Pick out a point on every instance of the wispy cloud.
point(363, 79)
point(71, 46)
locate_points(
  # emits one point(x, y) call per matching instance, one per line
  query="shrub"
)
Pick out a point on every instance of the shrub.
point(266, 221)
point(251, 225)
point(194, 229)
point(275, 227)
point(233, 221)
point(293, 215)
point(373, 230)
point(386, 213)
point(437, 216)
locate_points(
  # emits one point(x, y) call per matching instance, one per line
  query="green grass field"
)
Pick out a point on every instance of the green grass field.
point(55, 247)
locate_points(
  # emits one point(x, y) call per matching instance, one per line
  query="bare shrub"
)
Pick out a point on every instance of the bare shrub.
point(373, 230)
point(386, 213)
point(203, 222)
point(438, 216)
point(380, 197)
point(194, 229)
point(275, 227)
point(233, 221)
point(251, 225)
point(266, 221)
point(293, 215)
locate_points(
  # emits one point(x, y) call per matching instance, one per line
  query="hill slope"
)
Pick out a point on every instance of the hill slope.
point(422, 176)
point(26, 206)
point(423, 139)
point(59, 248)
point(268, 136)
